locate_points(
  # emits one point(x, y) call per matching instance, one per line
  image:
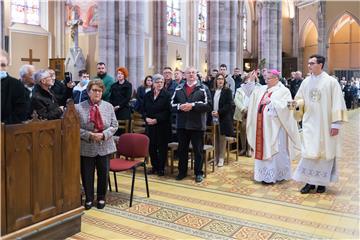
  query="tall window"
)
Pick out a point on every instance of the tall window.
point(244, 26)
point(202, 20)
point(173, 17)
point(25, 11)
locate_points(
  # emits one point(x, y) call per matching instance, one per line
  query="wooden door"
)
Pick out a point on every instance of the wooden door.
point(33, 166)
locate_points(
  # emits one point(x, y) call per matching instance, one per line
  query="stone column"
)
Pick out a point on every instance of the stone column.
point(59, 28)
point(193, 34)
point(107, 35)
point(2, 33)
point(121, 37)
point(222, 34)
point(322, 41)
point(160, 46)
point(240, 48)
point(270, 38)
point(295, 33)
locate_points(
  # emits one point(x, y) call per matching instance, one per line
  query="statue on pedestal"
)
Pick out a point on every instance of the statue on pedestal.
point(75, 60)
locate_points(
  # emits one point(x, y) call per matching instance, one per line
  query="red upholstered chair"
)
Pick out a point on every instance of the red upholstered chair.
point(129, 147)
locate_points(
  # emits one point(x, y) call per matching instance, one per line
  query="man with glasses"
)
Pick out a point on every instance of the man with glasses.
point(43, 99)
point(15, 103)
point(272, 130)
point(170, 84)
point(191, 101)
point(320, 105)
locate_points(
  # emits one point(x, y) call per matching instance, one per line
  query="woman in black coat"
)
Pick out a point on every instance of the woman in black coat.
point(120, 95)
point(157, 117)
point(222, 117)
point(140, 94)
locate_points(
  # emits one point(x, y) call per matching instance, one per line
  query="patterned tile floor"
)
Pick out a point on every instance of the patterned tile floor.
point(229, 205)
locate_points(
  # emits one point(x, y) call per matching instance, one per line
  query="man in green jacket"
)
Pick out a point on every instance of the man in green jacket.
point(106, 78)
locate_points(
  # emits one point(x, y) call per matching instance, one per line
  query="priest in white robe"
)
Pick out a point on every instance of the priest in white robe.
point(321, 107)
point(272, 130)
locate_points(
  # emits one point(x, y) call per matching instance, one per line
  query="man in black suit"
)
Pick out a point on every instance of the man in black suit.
point(15, 102)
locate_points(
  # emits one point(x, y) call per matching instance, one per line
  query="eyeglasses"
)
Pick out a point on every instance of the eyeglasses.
point(3, 64)
point(220, 78)
point(159, 82)
point(312, 63)
point(96, 90)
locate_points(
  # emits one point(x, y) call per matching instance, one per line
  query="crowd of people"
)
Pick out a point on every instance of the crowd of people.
point(267, 106)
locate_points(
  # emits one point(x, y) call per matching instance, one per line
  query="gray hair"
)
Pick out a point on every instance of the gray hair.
point(24, 69)
point(40, 75)
point(157, 76)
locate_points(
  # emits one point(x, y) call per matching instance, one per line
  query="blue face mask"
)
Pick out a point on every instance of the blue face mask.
point(3, 74)
point(84, 81)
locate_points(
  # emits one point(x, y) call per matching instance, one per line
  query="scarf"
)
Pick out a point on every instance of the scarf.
point(95, 117)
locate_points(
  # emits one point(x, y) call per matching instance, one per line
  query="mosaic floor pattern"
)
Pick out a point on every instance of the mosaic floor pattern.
point(228, 204)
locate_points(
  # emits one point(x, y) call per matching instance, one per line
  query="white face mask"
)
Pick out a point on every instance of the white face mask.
point(3, 74)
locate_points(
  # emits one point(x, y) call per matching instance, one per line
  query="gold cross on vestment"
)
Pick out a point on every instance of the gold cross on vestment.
point(30, 59)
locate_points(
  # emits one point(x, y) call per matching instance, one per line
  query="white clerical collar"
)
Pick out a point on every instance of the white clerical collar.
point(274, 87)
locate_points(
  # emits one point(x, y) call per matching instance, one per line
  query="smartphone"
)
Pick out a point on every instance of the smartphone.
point(68, 77)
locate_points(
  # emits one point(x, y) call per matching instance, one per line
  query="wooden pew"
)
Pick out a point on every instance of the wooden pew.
point(40, 178)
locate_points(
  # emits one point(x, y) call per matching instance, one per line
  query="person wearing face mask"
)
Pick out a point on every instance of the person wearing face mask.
point(120, 95)
point(79, 92)
point(14, 98)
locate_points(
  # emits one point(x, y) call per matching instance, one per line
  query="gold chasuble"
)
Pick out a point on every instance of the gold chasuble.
point(264, 122)
point(321, 103)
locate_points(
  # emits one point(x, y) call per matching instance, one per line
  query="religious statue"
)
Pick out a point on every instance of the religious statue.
point(74, 23)
point(75, 60)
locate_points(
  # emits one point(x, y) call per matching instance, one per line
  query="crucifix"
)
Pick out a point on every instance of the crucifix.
point(30, 59)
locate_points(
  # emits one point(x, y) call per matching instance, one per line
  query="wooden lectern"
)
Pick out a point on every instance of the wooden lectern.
point(40, 178)
point(58, 65)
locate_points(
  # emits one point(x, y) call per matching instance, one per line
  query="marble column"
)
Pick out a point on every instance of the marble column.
point(270, 34)
point(193, 34)
point(322, 41)
point(222, 34)
point(121, 37)
point(160, 46)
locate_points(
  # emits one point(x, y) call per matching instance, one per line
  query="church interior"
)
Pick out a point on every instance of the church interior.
point(146, 36)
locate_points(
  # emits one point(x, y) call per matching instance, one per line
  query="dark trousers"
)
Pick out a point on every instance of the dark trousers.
point(158, 146)
point(88, 165)
point(197, 142)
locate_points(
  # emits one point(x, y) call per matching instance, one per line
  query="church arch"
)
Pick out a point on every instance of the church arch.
point(343, 38)
point(308, 41)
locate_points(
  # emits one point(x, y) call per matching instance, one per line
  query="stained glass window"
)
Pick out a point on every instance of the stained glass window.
point(244, 27)
point(202, 20)
point(173, 17)
point(25, 11)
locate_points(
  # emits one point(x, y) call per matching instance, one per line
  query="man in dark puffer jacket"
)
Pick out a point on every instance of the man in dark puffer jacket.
point(191, 101)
